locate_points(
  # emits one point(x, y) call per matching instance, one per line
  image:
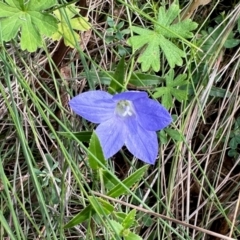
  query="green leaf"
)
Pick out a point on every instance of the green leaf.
point(110, 22)
point(116, 83)
point(67, 24)
point(96, 149)
point(116, 226)
point(233, 144)
point(233, 153)
point(211, 40)
point(172, 89)
point(239, 25)
point(128, 182)
point(137, 79)
point(167, 100)
point(33, 22)
point(219, 92)
point(109, 181)
point(163, 137)
point(142, 79)
point(46, 23)
point(129, 219)
point(81, 136)
point(156, 39)
point(120, 216)
point(38, 5)
point(101, 206)
point(146, 220)
point(231, 43)
point(85, 214)
point(8, 10)
point(174, 134)
point(132, 236)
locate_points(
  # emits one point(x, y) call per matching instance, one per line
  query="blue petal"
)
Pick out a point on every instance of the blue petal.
point(130, 95)
point(95, 106)
point(151, 115)
point(141, 143)
point(111, 135)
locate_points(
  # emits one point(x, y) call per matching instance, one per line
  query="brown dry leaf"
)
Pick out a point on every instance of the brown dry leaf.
point(85, 36)
point(223, 225)
point(192, 7)
point(66, 74)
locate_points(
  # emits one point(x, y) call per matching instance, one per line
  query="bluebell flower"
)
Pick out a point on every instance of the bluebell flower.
point(129, 118)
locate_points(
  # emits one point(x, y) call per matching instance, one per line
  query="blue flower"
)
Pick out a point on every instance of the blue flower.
point(128, 118)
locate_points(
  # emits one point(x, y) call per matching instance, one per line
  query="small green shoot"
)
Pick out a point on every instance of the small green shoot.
point(47, 175)
point(115, 33)
point(48, 178)
point(158, 38)
point(129, 219)
point(122, 227)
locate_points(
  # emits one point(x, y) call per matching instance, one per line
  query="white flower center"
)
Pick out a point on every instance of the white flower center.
point(124, 108)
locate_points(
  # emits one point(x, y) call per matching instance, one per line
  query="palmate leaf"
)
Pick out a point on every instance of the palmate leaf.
point(30, 19)
point(172, 89)
point(158, 39)
point(67, 24)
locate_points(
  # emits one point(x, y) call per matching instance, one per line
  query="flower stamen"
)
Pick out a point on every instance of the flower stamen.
point(124, 108)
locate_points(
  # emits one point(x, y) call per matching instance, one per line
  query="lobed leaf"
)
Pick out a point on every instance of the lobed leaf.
point(67, 24)
point(30, 19)
point(150, 57)
point(38, 5)
point(9, 28)
point(158, 39)
point(172, 53)
point(172, 89)
point(7, 11)
point(30, 36)
point(45, 23)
